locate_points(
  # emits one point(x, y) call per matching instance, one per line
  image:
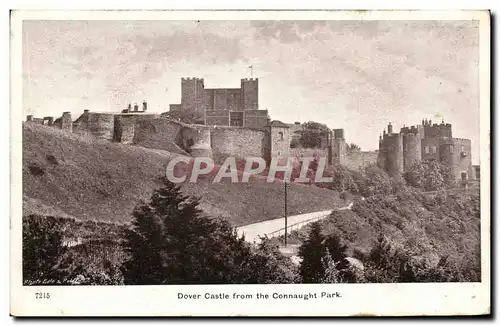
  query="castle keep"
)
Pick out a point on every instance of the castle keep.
point(427, 141)
point(222, 106)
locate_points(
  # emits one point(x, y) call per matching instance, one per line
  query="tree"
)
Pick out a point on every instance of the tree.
point(145, 244)
point(429, 175)
point(171, 242)
point(353, 147)
point(269, 266)
point(343, 180)
point(312, 134)
point(42, 249)
point(319, 254)
point(390, 264)
point(312, 252)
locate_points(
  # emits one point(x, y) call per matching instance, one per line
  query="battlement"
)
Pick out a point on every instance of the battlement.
point(410, 135)
point(192, 78)
point(461, 139)
point(338, 133)
point(392, 136)
point(249, 79)
point(411, 130)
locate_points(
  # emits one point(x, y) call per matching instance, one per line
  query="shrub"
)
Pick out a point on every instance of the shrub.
point(36, 170)
point(42, 248)
point(430, 176)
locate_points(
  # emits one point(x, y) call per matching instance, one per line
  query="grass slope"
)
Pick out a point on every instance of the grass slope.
point(71, 176)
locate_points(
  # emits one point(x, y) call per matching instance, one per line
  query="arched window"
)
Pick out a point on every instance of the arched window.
point(281, 135)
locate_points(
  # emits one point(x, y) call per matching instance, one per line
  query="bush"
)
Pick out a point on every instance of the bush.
point(269, 266)
point(42, 248)
point(430, 176)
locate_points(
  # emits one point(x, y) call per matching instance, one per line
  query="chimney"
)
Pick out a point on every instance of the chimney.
point(136, 107)
point(29, 117)
point(129, 107)
point(144, 106)
point(389, 128)
point(86, 111)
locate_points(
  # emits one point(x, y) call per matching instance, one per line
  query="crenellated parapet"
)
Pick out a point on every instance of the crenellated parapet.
point(428, 141)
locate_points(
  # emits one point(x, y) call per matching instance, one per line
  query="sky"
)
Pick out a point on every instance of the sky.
point(356, 75)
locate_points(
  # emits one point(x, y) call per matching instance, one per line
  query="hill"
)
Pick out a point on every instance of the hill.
point(431, 226)
point(71, 176)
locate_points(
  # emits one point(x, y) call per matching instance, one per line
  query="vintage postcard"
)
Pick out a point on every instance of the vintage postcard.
point(250, 163)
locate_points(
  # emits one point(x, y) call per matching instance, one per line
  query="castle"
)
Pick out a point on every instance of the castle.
point(222, 106)
point(427, 141)
point(228, 122)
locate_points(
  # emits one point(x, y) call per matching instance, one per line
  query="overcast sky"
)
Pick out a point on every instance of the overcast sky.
point(347, 74)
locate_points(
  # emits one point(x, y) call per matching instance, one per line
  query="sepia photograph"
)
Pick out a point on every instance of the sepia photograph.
point(307, 153)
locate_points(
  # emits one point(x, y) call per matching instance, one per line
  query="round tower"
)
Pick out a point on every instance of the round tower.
point(393, 154)
point(412, 152)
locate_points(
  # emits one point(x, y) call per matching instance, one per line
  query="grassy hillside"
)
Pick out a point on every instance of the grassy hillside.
point(70, 176)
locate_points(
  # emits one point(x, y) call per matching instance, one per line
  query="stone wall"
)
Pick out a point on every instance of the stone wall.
point(430, 148)
point(360, 160)
point(124, 128)
point(66, 122)
point(197, 140)
point(308, 152)
point(239, 142)
point(279, 142)
point(463, 159)
point(217, 118)
point(160, 134)
point(255, 118)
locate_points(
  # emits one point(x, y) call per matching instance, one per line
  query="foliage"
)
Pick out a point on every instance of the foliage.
point(42, 248)
point(376, 181)
point(295, 142)
point(323, 258)
point(312, 133)
point(343, 180)
point(312, 252)
point(269, 266)
point(172, 243)
point(352, 147)
point(429, 175)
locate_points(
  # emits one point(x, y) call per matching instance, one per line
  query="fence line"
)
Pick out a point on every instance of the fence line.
point(297, 225)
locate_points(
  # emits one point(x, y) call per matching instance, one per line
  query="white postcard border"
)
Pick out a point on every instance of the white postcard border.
point(356, 299)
